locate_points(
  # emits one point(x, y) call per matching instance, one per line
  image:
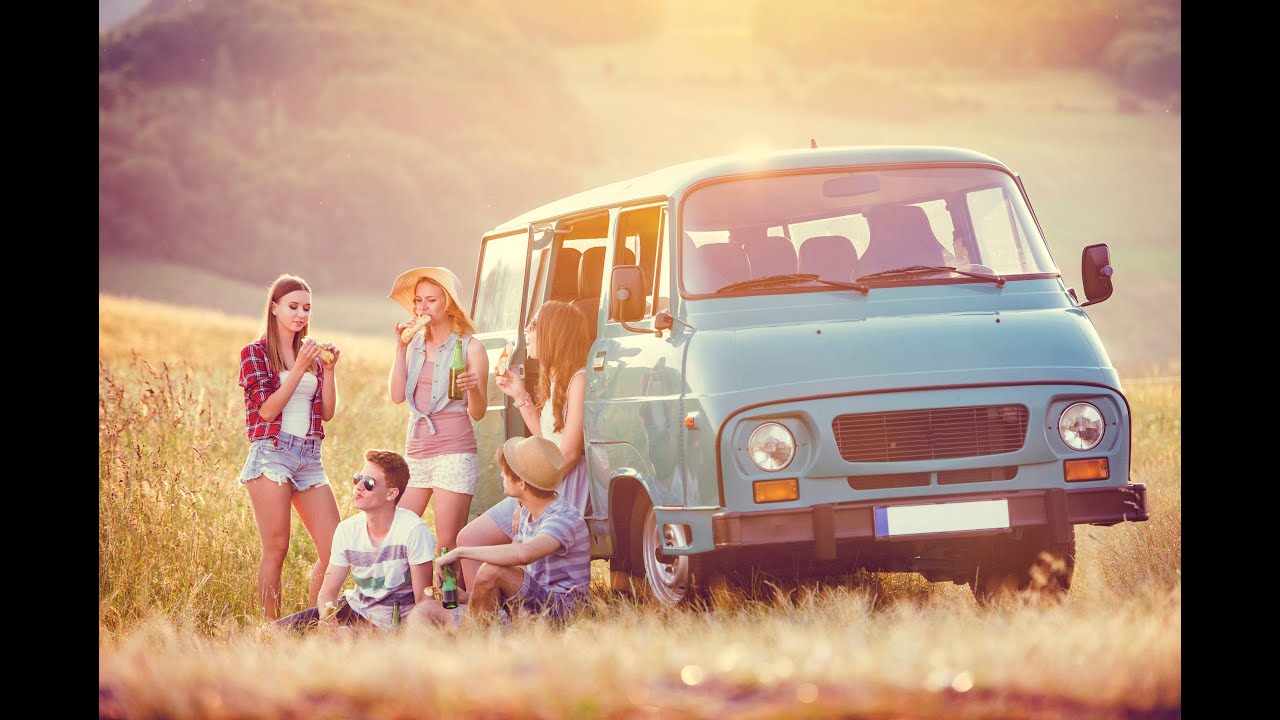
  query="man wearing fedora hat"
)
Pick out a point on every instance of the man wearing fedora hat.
point(440, 443)
point(546, 569)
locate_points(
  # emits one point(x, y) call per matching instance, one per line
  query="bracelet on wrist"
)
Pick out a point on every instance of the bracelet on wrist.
point(523, 402)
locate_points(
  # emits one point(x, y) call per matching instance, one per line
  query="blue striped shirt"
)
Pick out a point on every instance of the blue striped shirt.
point(568, 569)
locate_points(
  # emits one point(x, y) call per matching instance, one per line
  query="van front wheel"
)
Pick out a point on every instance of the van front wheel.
point(670, 579)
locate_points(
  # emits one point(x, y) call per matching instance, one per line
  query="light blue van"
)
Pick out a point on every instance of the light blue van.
point(817, 360)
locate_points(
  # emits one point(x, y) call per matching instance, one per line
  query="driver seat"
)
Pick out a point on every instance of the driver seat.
point(900, 236)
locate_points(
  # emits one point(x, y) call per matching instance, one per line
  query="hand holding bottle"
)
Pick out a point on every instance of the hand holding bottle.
point(458, 368)
point(448, 583)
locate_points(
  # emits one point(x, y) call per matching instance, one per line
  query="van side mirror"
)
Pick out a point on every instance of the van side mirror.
point(626, 293)
point(1096, 271)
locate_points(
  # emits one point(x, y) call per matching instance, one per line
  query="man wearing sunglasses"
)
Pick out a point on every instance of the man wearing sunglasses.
point(387, 549)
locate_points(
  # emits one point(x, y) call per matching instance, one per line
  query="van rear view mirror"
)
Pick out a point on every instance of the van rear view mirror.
point(1095, 272)
point(626, 293)
point(850, 185)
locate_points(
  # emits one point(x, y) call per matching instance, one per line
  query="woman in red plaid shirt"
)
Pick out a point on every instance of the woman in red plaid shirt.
point(289, 391)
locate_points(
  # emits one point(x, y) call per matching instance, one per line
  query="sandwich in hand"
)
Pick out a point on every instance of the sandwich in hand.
point(407, 334)
point(504, 360)
point(326, 351)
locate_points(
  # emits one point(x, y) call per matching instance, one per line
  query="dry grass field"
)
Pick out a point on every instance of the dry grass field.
point(179, 636)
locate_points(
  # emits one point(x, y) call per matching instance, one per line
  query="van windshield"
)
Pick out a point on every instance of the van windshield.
point(858, 227)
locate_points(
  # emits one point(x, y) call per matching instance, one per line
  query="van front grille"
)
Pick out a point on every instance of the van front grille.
point(931, 434)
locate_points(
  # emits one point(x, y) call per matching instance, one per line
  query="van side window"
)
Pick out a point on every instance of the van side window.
point(638, 240)
point(588, 236)
point(497, 305)
point(996, 233)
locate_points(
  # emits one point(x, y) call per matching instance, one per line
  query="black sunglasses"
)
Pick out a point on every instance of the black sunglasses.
point(368, 481)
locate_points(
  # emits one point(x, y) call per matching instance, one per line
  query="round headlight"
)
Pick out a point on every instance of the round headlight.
point(1081, 426)
point(771, 447)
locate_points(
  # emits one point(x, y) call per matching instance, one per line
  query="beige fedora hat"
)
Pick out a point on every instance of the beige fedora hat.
point(402, 290)
point(535, 460)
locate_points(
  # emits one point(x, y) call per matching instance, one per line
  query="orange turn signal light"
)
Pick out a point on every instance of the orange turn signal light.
point(768, 491)
point(1086, 469)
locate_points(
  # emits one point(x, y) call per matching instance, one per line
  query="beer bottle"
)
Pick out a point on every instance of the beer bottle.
point(455, 367)
point(395, 614)
point(448, 585)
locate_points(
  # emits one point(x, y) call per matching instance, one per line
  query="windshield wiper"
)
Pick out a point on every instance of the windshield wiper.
point(916, 269)
point(793, 279)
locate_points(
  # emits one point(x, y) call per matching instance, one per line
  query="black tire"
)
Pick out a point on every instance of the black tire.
point(1031, 568)
point(626, 570)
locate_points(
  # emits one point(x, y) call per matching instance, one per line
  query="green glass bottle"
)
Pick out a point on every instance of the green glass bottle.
point(448, 585)
point(456, 366)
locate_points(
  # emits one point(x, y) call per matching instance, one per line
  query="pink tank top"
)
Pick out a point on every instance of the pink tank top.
point(453, 425)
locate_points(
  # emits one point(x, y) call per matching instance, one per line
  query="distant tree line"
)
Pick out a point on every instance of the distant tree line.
point(340, 140)
point(1139, 42)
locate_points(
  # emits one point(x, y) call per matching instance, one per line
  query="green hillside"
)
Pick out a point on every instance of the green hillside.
point(341, 139)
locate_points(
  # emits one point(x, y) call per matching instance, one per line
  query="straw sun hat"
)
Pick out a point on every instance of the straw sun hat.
point(535, 460)
point(402, 290)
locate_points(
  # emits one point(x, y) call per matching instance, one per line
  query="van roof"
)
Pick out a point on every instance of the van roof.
point(669, 181)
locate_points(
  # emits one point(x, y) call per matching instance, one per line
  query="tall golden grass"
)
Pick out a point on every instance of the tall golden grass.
point(180, 636)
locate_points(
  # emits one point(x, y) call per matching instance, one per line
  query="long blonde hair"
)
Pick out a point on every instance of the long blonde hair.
point(563, 343)
point(280, 287)
point(456, 322)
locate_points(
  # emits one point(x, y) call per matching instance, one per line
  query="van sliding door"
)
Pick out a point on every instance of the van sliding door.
point(503, 281)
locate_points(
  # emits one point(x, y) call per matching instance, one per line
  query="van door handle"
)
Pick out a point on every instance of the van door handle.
point(597, 363)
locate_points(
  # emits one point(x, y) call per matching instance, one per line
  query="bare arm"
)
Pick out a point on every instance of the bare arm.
point(420, 575)
point(333, 579)
point(575, 397)
point(476, 379)
point(511, 385)
point(507, 555)
point(399, 369)
point(329, 393)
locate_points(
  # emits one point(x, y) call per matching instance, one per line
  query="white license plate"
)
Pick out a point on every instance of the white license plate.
point(943, 517)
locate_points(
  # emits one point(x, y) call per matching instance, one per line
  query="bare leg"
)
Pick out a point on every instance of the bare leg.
point(451, 515)
point(319, 513)
point(415, 500)
point(429, 613)
point(493, 583)
point(271, 511)
point(478, 533)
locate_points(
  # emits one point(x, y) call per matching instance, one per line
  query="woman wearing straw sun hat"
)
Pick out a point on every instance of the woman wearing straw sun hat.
point(440, 445)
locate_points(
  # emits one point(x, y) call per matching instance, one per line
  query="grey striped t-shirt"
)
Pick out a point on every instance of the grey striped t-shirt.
point(381, 573)
point(569, 567)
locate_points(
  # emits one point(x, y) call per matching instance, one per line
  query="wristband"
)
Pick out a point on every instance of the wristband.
point(523, 402)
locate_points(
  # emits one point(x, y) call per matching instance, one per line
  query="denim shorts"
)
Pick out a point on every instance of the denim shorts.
point(502, 513)
point(536, 598)
point(286, 457)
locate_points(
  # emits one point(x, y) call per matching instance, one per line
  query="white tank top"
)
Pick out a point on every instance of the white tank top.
point(295, 419)
point(547, 420)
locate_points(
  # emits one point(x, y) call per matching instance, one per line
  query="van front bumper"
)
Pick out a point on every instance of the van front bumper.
point(825, 525)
